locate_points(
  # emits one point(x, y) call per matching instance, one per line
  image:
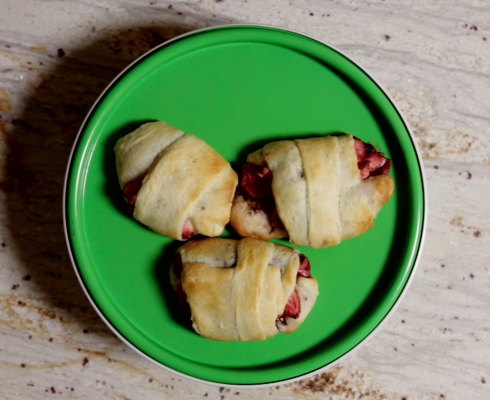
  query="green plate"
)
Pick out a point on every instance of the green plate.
point(238, 87)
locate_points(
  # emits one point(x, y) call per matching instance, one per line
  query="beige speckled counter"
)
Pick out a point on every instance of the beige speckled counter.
point(433, 58)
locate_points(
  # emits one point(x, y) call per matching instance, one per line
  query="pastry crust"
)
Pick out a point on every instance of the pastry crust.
point(237, 289)
point(251, 221)
point(321, 169)
point(185, 180)
point(319, 194)
point(284, 159)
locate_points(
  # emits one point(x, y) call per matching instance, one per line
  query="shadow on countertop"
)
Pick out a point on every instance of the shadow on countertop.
point(39, 145)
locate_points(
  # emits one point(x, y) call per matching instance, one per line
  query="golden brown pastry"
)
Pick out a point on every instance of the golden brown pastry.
point(174, 182)
point(317, 191)
point(245, 289)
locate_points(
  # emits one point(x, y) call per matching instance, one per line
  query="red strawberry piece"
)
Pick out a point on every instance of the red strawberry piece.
point(376, 161)
point(365, 170)
point(304, 266)
point(187, 231)
point(256, 181)
point(360, 149)
point(130, 191)
point(256, 184)
point(383, 169)
point(369, 161)
point(293, 306)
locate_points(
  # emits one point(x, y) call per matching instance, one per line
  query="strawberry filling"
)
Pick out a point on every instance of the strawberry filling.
point(292, 309)
point(187, 230)
point(130, 191)
point(256, 181)
point(256, 184)
point(293, 305)
point(369, 161)
point(304, 266)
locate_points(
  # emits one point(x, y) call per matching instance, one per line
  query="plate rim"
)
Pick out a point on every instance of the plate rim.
point(418, 250)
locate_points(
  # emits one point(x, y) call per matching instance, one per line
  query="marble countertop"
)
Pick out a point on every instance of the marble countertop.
point(432, 57)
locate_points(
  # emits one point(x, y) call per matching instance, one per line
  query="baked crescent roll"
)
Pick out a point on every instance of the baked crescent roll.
point(245, 289)
point(317, 191)
point(174, 182)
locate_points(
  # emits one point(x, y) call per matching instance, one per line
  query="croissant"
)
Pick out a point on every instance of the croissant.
point(318, 191)
point(245, 289)
point(174, 182)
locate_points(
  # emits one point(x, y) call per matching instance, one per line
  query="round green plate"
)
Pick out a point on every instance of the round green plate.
point(239, 87)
